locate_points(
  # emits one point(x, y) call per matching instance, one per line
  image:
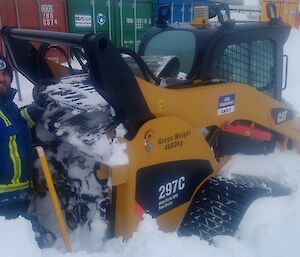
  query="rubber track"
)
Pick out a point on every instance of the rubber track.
point(219, 206)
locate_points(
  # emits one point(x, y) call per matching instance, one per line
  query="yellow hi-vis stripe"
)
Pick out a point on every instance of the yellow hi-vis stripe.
point(5, 119)
point(14, 187)
point(16, 160)
point(26, 116)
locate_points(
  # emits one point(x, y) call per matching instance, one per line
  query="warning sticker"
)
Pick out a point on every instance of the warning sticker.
point(226, 104)
point(83, 20)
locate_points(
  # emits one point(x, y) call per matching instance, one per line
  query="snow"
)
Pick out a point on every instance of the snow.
point(252, 2)
point(270, 227)
point(292, 49)
point(91, 107)
point(26, 91)
point(18, 230)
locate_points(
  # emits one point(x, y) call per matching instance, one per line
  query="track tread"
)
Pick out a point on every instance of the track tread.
point(218, 207)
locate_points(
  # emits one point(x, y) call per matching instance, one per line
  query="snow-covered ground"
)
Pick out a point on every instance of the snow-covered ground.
point(271, 226)
point(251, 2)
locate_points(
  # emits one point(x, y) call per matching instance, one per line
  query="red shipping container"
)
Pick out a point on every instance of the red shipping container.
point(47, 15)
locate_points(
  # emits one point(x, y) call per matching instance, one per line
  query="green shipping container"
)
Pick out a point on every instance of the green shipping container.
point(123, 21)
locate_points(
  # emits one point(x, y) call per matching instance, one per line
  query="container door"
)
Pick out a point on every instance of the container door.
point(7, 17)
point(103, 17)
point(52, 18)
point(28, 14)
point(188, 12)
point(180, 9)
point(52, 15)
point(132, 19)
point(91, 16)
point(80, 16)
point(124, 23)
point(144, 20)
point(176, 10)
point(35, 14)
point(183, 10)
point(175, 7)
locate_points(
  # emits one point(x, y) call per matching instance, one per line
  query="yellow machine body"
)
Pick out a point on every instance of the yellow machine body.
point(175, 135)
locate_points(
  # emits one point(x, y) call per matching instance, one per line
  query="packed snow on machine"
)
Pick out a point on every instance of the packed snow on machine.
point(77, 130)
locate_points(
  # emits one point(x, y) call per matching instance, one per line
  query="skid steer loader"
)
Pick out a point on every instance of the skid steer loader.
point(176, 134)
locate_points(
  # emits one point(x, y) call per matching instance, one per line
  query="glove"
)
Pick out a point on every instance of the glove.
point(42, 101)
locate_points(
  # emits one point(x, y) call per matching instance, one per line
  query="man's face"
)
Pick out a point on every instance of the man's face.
point(4, 83)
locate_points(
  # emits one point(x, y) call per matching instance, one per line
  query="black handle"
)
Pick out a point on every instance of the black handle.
point(70, 39)
point(286, 58)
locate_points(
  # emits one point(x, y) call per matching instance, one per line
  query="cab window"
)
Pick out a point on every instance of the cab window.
point(252, 63)
point(179, 43)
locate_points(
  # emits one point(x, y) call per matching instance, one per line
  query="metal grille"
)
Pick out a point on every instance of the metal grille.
point(249, 62)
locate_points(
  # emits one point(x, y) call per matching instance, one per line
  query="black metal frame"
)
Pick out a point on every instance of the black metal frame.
point(112, 77)
point(286, 58)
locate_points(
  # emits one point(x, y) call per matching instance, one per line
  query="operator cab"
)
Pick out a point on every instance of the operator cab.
point(244, 52)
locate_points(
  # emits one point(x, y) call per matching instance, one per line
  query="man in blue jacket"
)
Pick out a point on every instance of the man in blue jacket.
point(16, 149)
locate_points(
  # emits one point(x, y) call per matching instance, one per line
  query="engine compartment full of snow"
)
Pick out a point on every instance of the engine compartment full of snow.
point(79, 116)
point(76, 133)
